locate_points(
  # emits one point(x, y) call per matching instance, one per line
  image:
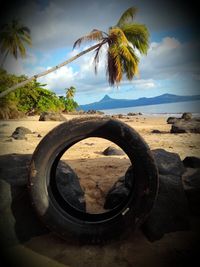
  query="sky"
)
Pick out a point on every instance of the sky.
point(170, 66)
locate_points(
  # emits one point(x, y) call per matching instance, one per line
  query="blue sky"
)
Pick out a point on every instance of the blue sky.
point(171, 65)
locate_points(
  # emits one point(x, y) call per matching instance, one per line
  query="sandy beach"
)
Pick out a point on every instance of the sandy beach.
point(86, 156)
point(93, 167)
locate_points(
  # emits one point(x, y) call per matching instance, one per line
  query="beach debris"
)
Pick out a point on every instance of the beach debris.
point(112, 151)
point(20, 133)
point(51, 116)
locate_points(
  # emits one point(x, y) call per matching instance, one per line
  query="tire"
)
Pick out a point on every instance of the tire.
point(70, 223)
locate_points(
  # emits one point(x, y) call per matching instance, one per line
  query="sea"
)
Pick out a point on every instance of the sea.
point(169, 109)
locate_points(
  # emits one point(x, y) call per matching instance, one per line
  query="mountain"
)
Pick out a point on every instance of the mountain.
point(110, 103)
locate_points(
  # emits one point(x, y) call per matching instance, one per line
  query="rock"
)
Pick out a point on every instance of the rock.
point(39, 135)
point(14, 168)
point(95, 112)
point(191, 183)
point(156, 131)
point(51, 116)
point(183, 126)
point(112, 151)
point(133, 114)
point(191, 162)
point(20, 132)
point(115, 196)
point(170, 212)
point(69, 186)
point(19, 222)
point(172, 120)
point(7, 222)
point(119, 191)
point(187, 116)
point(168, 162)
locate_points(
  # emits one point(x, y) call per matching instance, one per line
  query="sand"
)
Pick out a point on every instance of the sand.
point(93, 168)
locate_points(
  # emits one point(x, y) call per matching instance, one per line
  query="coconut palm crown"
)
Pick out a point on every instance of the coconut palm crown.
point(13, 37)
point(124, 41)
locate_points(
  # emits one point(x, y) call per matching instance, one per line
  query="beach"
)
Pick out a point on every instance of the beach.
point(92, 167)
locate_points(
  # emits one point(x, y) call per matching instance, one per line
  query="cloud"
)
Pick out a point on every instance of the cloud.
point(57, 24)
point(60, 79)
point(170, 58)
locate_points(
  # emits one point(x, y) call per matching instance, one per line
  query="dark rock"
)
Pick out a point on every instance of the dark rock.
point(168, 162)
point(172, 120)
point(116, 196)
point(119, 191)
point(184, 126)
point(156, 131)
point(95, 112)
point(19, 223)
point(170, 212)
point(112, 151)
point(14, 168)
point(39, 135)
point(133, 114)
point(20, 133)
point(186, 116)
point(191, 183)
point(191, 162)
point(51, 116)
point(69, 186)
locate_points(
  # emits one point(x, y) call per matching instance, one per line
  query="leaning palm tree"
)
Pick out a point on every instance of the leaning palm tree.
point(13, 37)
point(123, 41)
point(70, 92)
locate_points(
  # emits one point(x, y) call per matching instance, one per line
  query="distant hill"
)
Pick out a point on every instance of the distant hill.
point(110, 103)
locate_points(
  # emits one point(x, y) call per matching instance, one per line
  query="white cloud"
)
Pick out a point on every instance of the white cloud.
point(144, 84)
point(60, 79)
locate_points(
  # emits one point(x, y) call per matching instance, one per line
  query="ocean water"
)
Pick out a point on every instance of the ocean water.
point(161, 109)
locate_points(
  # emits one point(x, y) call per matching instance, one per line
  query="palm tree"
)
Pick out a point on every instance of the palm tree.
point(70, 92)
point(123, 41)
point(13, 37)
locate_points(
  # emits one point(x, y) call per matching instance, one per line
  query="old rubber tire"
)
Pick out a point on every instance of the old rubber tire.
point(69, 222)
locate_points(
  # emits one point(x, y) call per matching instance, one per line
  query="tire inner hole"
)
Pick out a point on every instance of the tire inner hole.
point(91, 181)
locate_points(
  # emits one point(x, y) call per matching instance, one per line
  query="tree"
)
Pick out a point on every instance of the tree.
point(13, 37)
point(122, 40)
point(70, 92)
point(69, 103)
point(32, 98)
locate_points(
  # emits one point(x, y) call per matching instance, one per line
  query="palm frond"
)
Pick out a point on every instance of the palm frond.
point(96, 57)
point(138, 36)
point(127, 16)
point(94, 35)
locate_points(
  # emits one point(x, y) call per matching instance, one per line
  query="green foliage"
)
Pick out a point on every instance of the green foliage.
point(13, 38)
point(69, 103)
point(30, 98)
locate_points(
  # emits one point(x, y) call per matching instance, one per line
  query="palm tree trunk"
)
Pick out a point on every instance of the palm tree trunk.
point(21, 84)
